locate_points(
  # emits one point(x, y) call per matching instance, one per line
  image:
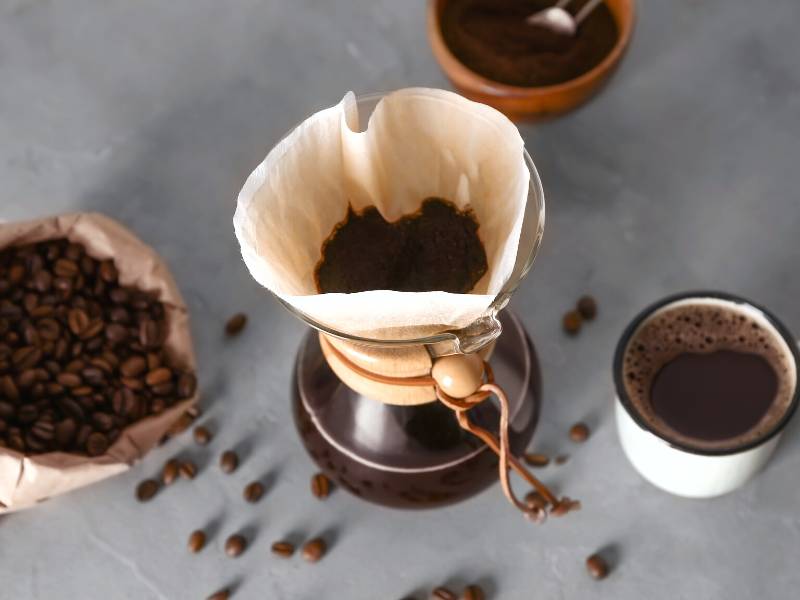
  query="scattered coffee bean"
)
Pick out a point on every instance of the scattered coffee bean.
point(202, 435)
point(320, 486)
point(314, 550)
point(561, 459)
point(597, 566)
point(253, 491)
point(579, 432)
point(74, 372)
point(443, 593)
point(235, 324)
point(170, 471)
point(587, 306)
point(229, 461)
point(473, 592)
point(536, 459)
point(220, 595)
point(235, 545)
point(187, 469)
point(146, 490)
point(571, 322)
point(284, 549)
point(197, 541)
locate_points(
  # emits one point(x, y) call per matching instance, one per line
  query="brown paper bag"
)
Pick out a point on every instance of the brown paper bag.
point(26, 480)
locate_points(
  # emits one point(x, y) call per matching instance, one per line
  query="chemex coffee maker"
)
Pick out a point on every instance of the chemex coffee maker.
point(426, 420)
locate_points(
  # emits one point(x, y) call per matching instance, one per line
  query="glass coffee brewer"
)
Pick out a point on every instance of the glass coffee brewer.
point(377, 414)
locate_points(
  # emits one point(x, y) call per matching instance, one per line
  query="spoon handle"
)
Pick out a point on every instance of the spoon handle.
point(584, 12)
point(562, 3)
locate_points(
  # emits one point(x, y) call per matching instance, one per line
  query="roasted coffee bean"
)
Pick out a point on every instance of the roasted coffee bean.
point(534, 459)
point(6, 410)
point(102, 364)
point(93, 376)
point(320, 486)
point(42, 281)
point(77, 320)
point(149, 333)
point(49, 329)
point(197, 540)
point(587, 306)
point(187, 469)
point(202, 435)
point(473, 592)
point(164, 389)
point(120, 315)
point(153, 361)
point(561, 459)
point(103, 421)
point(133, 367)
point(96, 444)
point(44, 430)
point(597, 566)
point(82, 390)
point(187, 384)
point(27, 413)
point(65, 431)
point(235, 545)
point(119, 295)
point(157, 405)
point(220, 595)
point(107, 271)
point(116, 333)
point(65, 268)
point(132, 383)
point(146, 490)
point(70, 380)
point(571, 322)
point(282, 548)
point(314, 550)
point(229, 461)
point(236, 324)
point(9, 388)
point(443, 593)
point(72, 408)
point(170, 471)
point(26, 379)
point(253, 491)
point(125, 403)
point(93, 329)
point(579, 432)
point(158, 376)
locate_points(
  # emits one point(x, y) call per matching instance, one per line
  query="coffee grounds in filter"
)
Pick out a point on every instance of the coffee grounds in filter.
point(434, 249)
point(703, 327)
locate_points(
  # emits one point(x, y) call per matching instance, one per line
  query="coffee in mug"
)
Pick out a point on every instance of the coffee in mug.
point(706, 382)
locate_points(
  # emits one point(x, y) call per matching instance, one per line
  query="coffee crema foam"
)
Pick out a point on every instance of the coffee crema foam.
point(701, 325)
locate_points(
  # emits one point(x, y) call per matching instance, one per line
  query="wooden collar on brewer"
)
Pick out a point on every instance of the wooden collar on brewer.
point(461, 383)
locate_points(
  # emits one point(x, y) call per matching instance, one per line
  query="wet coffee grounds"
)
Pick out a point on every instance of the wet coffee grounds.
point(435, 249)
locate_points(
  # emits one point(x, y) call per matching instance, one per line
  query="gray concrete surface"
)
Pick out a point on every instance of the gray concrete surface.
point(682, 174)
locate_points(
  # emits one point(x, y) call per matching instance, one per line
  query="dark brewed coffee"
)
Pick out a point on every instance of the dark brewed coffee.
point(434, 249)
point(709, 373)
point(714, 396)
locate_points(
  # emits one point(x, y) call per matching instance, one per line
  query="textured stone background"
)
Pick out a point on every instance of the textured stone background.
point(682, 174)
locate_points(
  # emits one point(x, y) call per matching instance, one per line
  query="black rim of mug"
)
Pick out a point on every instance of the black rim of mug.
point(623, 398)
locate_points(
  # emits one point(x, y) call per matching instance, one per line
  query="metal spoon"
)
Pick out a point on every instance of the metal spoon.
point(558, 20)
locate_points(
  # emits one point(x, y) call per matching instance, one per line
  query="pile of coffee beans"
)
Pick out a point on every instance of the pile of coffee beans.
point(81, 356)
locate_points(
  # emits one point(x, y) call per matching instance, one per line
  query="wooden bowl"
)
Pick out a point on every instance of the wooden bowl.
point(530, 102)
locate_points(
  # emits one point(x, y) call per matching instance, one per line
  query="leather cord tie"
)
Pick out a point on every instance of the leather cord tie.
point(461, 406)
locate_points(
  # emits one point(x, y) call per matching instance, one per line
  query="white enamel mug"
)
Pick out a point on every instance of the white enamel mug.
point(679, 468)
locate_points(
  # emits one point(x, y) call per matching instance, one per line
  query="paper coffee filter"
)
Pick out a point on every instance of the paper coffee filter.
point(418, 143)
